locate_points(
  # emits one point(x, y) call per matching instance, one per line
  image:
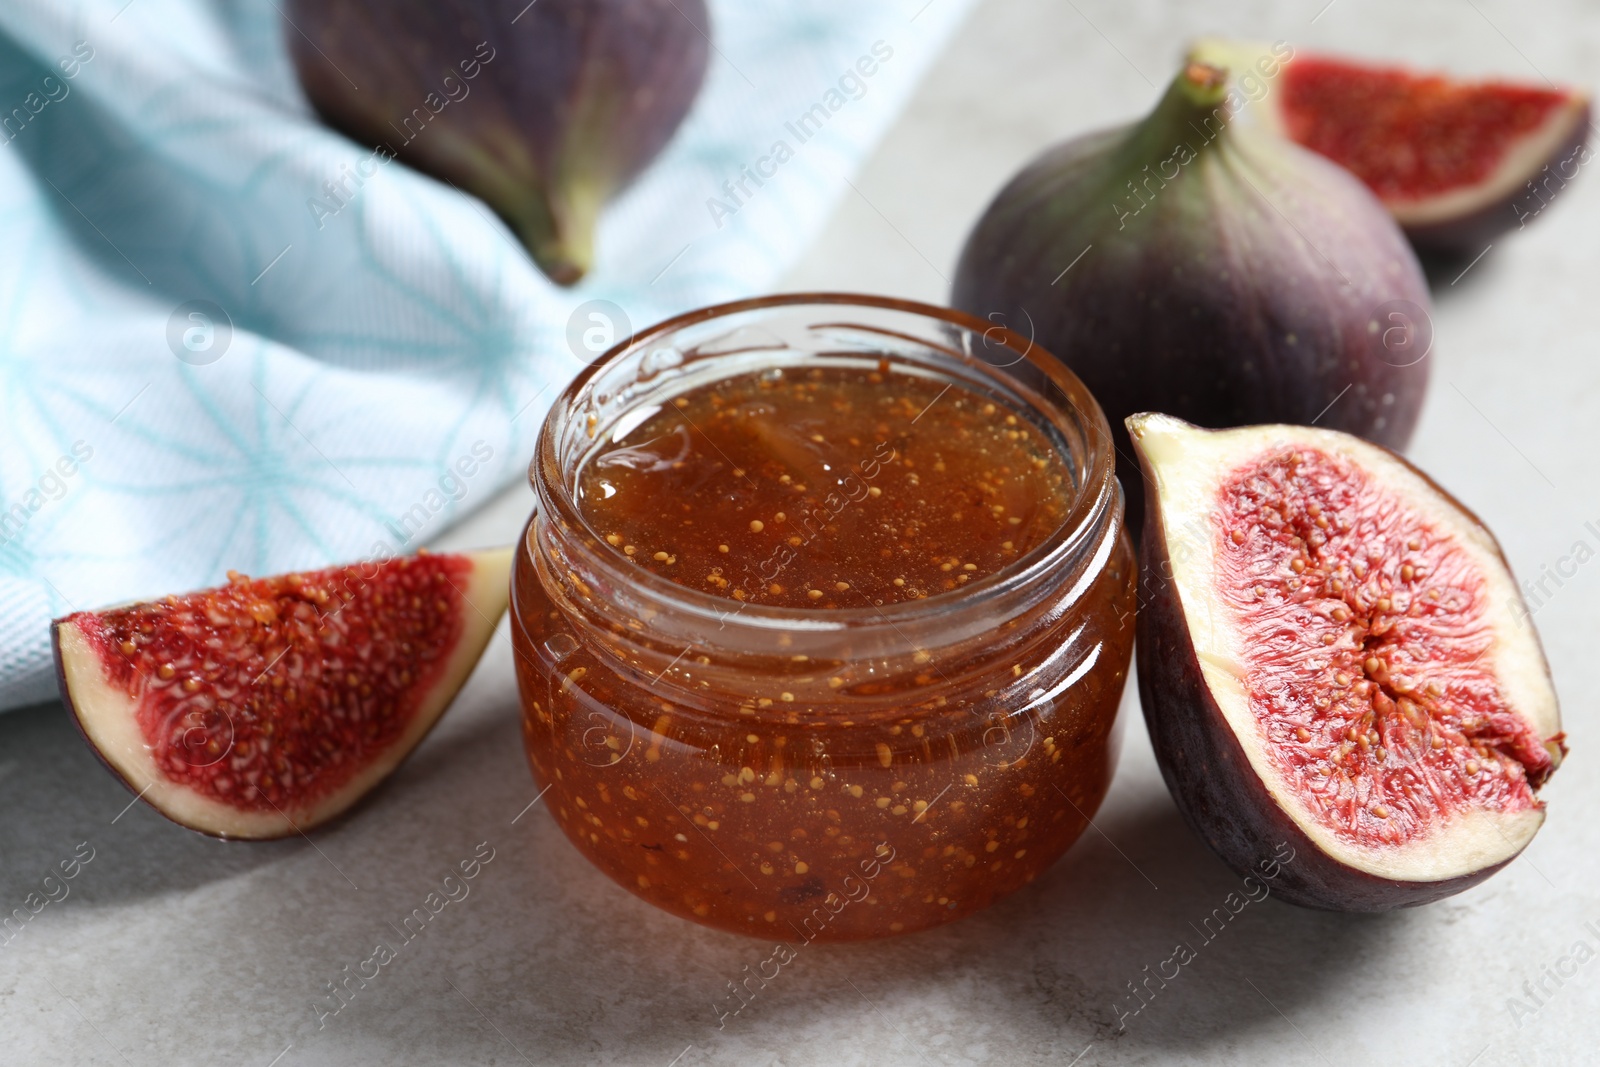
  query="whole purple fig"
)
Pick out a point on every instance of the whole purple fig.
point(1198, 265)
point(543, 110)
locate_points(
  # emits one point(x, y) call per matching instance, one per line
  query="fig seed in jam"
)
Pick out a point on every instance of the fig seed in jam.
point(832, 487)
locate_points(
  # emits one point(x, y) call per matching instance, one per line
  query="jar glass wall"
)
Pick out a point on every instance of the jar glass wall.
point(823, 774)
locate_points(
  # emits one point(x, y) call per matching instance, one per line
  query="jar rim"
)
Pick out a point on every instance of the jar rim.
point(1095, 494)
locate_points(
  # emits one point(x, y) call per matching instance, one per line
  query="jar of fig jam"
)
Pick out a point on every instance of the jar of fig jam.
point(823, 615)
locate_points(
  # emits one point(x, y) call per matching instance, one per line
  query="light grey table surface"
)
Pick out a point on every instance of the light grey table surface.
point(174, 949)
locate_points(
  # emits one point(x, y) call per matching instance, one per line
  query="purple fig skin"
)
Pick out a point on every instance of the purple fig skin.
point(1210, 778)
point(544, 110)
point(1253, 282)
point(1472, 234)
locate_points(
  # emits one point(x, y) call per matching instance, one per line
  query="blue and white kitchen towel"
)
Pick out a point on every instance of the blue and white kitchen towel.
point(213, 358)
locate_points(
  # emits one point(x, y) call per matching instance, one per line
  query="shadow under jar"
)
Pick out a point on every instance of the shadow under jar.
point(823, 615)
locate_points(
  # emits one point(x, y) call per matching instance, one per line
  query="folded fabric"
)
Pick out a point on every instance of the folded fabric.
point(220, 350)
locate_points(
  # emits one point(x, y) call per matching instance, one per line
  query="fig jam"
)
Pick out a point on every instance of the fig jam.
point(826, 488)
point(817, 642)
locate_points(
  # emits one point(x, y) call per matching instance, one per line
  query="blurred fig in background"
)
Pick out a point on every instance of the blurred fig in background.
point(1201, 266)
point(543, 110)
point(1457, 162)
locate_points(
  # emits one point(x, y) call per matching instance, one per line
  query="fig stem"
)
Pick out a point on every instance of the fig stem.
point(558, 232)
point(1206, 83)
point(1199, 91)
point(1194, 112)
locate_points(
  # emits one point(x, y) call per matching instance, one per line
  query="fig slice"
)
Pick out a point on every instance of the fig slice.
point(268, 706)
point(1333, 654)
point(1457, 162)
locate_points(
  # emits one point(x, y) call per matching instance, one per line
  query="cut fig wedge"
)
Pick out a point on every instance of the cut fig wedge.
point(1333, 654)
point(268, 706)
point(1456, 161)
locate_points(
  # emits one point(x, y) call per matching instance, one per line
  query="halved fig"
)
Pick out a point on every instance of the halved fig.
point(268, 706)
point(1457, 162)
point(1333, 655)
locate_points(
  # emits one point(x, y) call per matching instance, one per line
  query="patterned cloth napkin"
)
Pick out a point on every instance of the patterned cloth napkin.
point(219, 349)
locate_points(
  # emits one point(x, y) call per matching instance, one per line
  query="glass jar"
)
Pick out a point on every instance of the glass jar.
point(822, 774)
